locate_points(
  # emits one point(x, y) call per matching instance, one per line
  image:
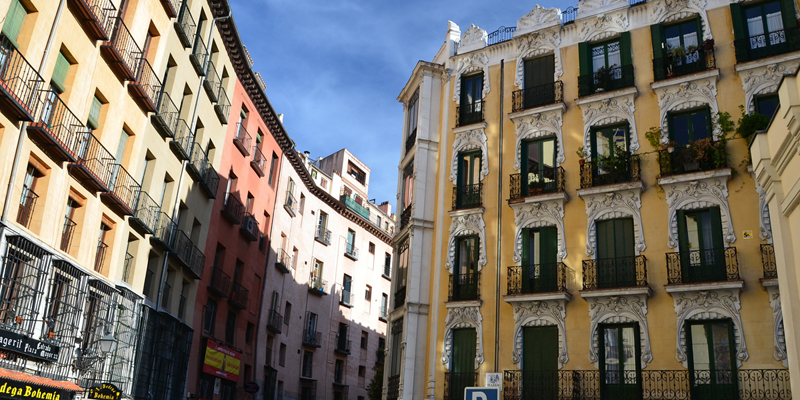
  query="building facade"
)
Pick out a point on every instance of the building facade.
point(577, 186)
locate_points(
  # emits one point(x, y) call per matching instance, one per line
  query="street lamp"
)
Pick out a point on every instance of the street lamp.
point(107, 343)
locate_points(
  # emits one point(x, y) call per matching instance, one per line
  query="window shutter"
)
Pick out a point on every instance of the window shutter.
point(624, 243)
point(585, 58)
point(94, 114)
point(737, 20)
point(682, 237)
point(548, 247)
point(625, 48)
point(788, 13)
point(526, 247)
point(716, 228)
point(60, 72)
point(13, 24)
point(605, 238)
point(657, 34)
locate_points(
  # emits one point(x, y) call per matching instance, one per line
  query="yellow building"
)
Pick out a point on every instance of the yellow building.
point(576, 217)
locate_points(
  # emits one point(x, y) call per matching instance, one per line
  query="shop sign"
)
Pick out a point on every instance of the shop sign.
point(250, 387)
point(221, 361)
point(26, 391)
point(105, 391)
point(29, 347)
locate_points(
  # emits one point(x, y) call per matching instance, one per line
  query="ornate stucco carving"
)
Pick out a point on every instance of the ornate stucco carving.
point(709, 304)
point(462, 317)
point(473, 37)
point(539, 18)
point(602, 26)
point(473, 139)
point(673, 10)
point(777, 319)
point(534, 215)
point(764, 223)
point(619, 309)
point(764, 79)
point(536, 44)
point(540, 313)
point(620, 204)
point(686, 95)
point(471, 63)
point(592, 5)
point(539, 125)
point(471, 224)
point(609, 111)
point(701, 193)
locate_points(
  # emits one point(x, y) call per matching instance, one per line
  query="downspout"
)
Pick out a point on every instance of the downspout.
point(24, 128)
point(499, 227)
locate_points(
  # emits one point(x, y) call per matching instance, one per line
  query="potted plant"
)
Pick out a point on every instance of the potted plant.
point(677, 52)
point(708, 44)
point(602, 78)
point(692, 48)
point(581, 156)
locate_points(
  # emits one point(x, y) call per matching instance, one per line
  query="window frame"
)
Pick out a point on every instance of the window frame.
point(671, 116)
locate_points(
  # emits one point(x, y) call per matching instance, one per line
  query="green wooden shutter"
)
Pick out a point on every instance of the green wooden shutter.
point(540, 348)
point(624, 240)
point(683, 238)
point(585, 58)
point(526, 247)
point(463, 350)
point(94, 113)
point(60, 73)
point(13, 24)
point(548, 247)
point(605, 239)
point(657, 34)
point(625, 48)
point(716, 228)
point(788, 13)
point(737, 19)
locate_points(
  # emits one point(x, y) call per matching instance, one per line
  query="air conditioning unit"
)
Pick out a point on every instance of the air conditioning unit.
point(249, 227)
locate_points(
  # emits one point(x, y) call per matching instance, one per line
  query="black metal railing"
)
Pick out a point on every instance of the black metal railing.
point(197, 162)
point(471, 113)
point(346, 295)
point(171, 7)
point(249, 229)
point(468, 196)
point(258, 162)
point(185, 25)
point(700, 155)
point(537, 278)
point(164, 228)
point(405, 216)
point(125, 49)
point(167, 116)
point(619, 272)
point(711, 265)
point(220, 282)
point(212, 82)
point(606, 80)
point(98, 15)
point(242, 140)
point(768, 261)
point(551, 181)
point(146, 212)
point(95, 163)
point(283, 260)
point(127, 268)
point(223, 106)
point(188, 252)
point(210, 181)
point(568, 15)
point(696, 60)
point(19, 80)
point(312, 338)
point(233, 209)
point(400, 297)
point(27, 204)
point(503, 34)
point(610, 170)
point(464, 287)
point(456, 382)
point(57, 128)
point(393, 388)
point(239, 295)
point(536, 96)
point(181, 145)
point(322, 234)
point(767, 44)
point(124, 189)
point(411, 140)
point(343, 345)
point(100, 256)
point(198, 56)
point(146, 85)
point(274, 321)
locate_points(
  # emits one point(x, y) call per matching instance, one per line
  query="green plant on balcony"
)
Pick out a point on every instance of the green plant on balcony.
point(750, 123)
point(603, 77)
point(615, 162)
point(653, 136)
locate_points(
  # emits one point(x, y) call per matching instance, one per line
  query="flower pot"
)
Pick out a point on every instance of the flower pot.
point(581, 161)
point(670, 149)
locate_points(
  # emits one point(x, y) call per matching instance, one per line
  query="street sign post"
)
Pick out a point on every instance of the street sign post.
point(481, 393)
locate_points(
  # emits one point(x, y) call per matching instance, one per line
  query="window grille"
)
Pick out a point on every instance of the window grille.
point(98, 321)
point(129, 307)
point(25, 270)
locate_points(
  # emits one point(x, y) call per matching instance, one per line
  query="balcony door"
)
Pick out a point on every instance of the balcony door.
point(616, 266)
point(538, 166)
point(712, 368)
point(465, 279)
point(540, 362)
point(469, 172)
point(620, 369)
point(538, 81)
point(470, 108)
point(701, 246)
point(765, 24)
point(539, 260)
point(462, 363)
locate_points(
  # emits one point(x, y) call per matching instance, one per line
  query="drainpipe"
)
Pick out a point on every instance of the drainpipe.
point(499, 227)
point(24, 128)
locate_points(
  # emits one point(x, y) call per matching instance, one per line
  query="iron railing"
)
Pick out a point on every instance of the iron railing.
point(467, 196)
point(343, 345)
point(100, 256)
point(768, 261)
point(122, 50)
point(551, 181)
point(411, 140)
point(290, 202)
point(19, 81)
point(312, 338)
point(127, 268)
point(710, 265)
point(210, 182)
point(232, 209)
point(354, 206)
point(163, 232)
point(181, 145)
point(223, 106)
point(568, 15)
point(56, 128)
point(405, 216)
point(197, 162)
point(393, 388)
point(191, 256)
point(696, 60)
point(549, 93)
point(249, 228)
point(283, 261)
point(146, 86)
point(503, 34)
point(220, 282)
point(171, 7)
point(456, 382)
point(95, 163)
point(212, 82)
point(399, 297)
point(124, 190)
point(258, 162)
point(619, 272)
point(609, 171)
point(27, 204)
point(322, 234)
point(97, 15)
point(185, 25)
point(606, 80)
point(537, 278)
point(470, 113)
point(464, 287)
point(198, 56)
point(351, 251)
point(242, 140)
point(239, 295)
point(145, 214)
point(167, 116)
point(767, 44)
point(274, 321)
point(700, 155)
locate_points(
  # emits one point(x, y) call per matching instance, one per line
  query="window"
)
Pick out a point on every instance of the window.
point(607, 56)
point(356, 173)
point(210, 317)
point(338, 371)
point(384, 305)
point(615, 253)
point(282, 355)
point(287, 313)
point(372, 246)
point(408, 187)
point(767, 104)
point(59, 77)
point(351, 242)
point(468, 193)
point(465, 274)
point(396, 350)
point(539, 260)
point(462, 361)
point(94, 113)
point(764, 29)
point(539, 88)
point(364, 339)
point(619, 359)
point(683, 36)
point(272, 164)
point(362, 371)
point(323, 183)
point(608, 143)
point(347, 283)
point(539, 166)
point(765, 24)
point(605, 66)
point(308, 364)
point(368, 293)
point(248, 334)
point(702, 249)
point(14, 19)
point(230, 328)
point(27, 199)
point(343, 343)
point(316, 275)
point(413, 111)
point(539, 360)
point(686, 127)
point(711, 353)
point(471, 104)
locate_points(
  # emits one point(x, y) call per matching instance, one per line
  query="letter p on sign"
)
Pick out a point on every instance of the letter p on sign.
point(481, 393)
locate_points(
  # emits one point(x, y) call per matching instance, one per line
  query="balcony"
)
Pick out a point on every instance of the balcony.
point(125, 191)
point(697, 266)
point(163, 233)
point(411, 140)
point(19, 82)
point(613, 273)
point(232, 209)
point(171, 7)
point(146, 87)
point(96, 16)
point(700, 155)
point(605, 80)
point(537, 96)
point(343, 345)
point(405, 216)
point(223, 106)
point(464, 287)
point(100, 256)
point(94, 166)
point(322, 235)
point(56, 129)
point(354, 206)
point(212, 82)
point(258, 162)
point(145, 214)
point(249, 229)
point(312, 338)
point(220, 283)
point(274, 321)
point(393, 387)
point(238, 296)
point(242, 140)
point(166, 118)
point(121, 51)
point(185, 25)
point(197, 162)
point(469, 196)
point(188, 254)
point(470, 113)
point(456, 382)
point(316, 284)
point(345, 300)
point(210, 181)
point(181, 145)
point(383, 313)
point(610, 170)
point(537, 278)
point(27, 204)
point(66, 234)
point(198, 56)
point(768, 261)
point(399, 297)
point(283, 261)
point(767, 45)
point(552, 181)
point(697, 60)
point(351, 251)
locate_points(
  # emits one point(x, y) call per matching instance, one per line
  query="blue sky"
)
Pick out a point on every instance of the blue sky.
point(335, 68)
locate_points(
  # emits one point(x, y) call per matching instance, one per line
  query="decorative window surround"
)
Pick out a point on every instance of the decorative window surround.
point(472, 137)
point(708, 301)
point(613, 201)
point(604, 25)
point(539, 18)
point(462, 315)
point(463, 225)
point(604, 308)
point(686, 92)
point(539, 313)
point(763, 76)
point(698, 190)
point(539, 122)
point(536, 214)
point(471, 63)
point(534, 45)
point(605, 109)
point(764, 223)
point(771, 285)
point(666, 11)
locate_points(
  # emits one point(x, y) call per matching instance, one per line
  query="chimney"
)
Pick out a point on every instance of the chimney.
point(386, 208)
point(280, 117)
point(307, 153)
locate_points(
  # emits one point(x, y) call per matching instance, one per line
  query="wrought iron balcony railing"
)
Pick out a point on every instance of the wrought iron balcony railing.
point(198, 56)
point(190, 255)
point(210, 182)
point(220, 282)
point(537, 278)
point(456, 382)
point(66, 234)
point(19, 81)
point(238, 296)
point(171, 7)
point(181, 145)
point(145, 214)
point(468, 196)
point(405, 216)
point(393, 388)
point(223, 106)
point(354, 206)
point(411, 140)
point(537, 96)
point(316, 284)
point(768, 261)
point(100, 256)
point(620, 272)
point(121, 51)
point(470, 113)
point(146, 87)
point(27, 204)
point(185, 25)
point(274, 321)
point(767, 44)
point(323, 235)
point(697, 60)
point(610, 171)
point(96, 17)
point(124, 191)
point(464, 287)
point(258, 162)
point(57, 129)
point(95, 163)
point(605, 80)
point(167, 116)
point(551, 181)
point(127, 268)
point(212, 82)
point(701, 155)
point(399, 297)
point(312, 338)
point(710, 265)
point(351, 251)
point(343, 345)
point(197, 162)
point(283, 261)
point(163, 232)
point(502, 34)
point(232, 209)
point(290, 203)
point(345, 300)
point(242, 140)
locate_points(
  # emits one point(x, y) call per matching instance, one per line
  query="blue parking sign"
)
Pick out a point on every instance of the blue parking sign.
point(481, 393)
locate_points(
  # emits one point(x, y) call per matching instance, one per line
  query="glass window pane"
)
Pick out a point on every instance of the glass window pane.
point(611, 348)
point(628, 354)
point(535, 238)
point(699, 125)
point(692, 232)
point(614, 56)
point(548, 160)
point(700, 357)
point(598, 57)
point(680, 129)
point(722, 353)
point(767, 105)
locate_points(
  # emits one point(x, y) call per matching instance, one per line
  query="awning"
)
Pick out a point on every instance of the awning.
point(34, 380)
